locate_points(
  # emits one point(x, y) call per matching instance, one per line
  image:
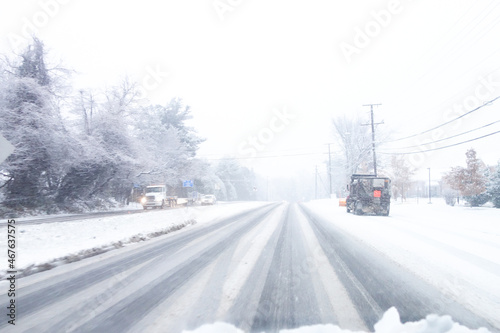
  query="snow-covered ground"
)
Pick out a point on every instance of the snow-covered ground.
point(456, 249)
point(39, 244)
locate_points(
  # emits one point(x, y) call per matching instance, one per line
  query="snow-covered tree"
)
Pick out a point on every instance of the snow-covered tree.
point(31, 121)
point(238, 180)
point(470, 181)
point(401, 176)
point(169, 145)
point(355, 142)
point(111, 143)
point(206, 181)
point(107, 152)
point(494, 187)
point(174, 115)
point(33, 64)
point(86, 108)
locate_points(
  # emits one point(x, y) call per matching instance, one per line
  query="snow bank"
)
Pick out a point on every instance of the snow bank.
point(390, 323)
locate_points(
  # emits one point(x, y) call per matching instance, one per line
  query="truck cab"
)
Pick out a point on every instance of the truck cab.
point(369, 194)
point(156, 197)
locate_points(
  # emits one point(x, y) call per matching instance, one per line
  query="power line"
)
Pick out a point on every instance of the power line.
point(268, 156)
point(456, 50)
point(450, 137)
point(445, 123)
point(457, 41)
point(465, 90)
point(449, 41)
point(455, 144)
point(297, 150)
point(277, 153)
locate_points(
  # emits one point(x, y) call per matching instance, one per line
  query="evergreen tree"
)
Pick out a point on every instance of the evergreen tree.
point(494, 187)
point(174, 115)
point(33, 64)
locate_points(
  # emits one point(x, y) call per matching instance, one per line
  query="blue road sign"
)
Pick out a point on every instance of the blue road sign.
point(187, 183)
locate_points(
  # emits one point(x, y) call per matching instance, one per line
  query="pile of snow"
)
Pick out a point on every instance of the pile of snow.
point(390, 323)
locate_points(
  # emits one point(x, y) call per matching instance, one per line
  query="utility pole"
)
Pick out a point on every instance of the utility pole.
point(373, 136)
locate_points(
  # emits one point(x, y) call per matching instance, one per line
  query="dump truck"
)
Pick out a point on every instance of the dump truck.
point(369, 194)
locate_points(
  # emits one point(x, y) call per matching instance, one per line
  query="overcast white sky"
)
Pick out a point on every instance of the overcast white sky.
point(279, 71)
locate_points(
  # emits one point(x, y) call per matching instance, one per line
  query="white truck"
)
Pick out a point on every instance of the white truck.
point(156, 197)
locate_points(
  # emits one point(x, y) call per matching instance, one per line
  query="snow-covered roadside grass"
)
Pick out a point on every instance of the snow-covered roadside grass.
point(455, 249)
point(43, 246)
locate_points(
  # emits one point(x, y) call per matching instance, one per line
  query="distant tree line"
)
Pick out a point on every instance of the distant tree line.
point(112, 142)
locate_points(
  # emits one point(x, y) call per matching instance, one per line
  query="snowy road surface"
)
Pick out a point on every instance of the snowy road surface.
point(278, 266)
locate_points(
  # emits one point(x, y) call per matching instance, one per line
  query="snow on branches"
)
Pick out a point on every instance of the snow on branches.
point(471, 181)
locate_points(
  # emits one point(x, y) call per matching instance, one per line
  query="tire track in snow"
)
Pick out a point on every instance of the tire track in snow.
point(246, 258)
point(173, 313)
point(80, 306)
point(204, 308)
point(288, 290)
point(246, 304)
point(455, 272)
point(337, 307)
point(223, 283)
point(387, 283)
point(366, 306)
point(47, 293)
point(141, 302)
point(37, 297)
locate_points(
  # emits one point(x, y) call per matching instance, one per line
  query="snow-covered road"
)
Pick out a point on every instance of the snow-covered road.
point(456, 250)
point(266, 267)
